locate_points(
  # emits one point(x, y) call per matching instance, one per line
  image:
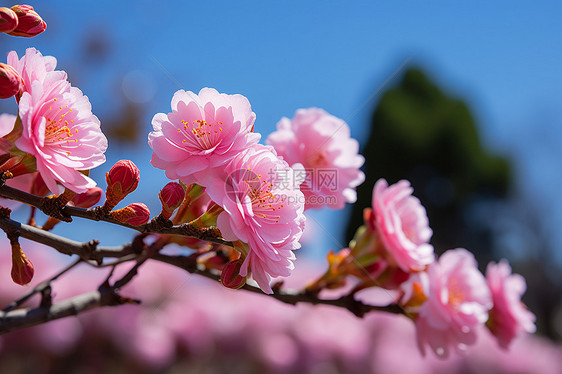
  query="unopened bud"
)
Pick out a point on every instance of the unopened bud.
point(171, 197)
point(22, 268)
point(87, 199)
point(122, 179)
point(11, 82)
point(230, 276)
point(135, 214)
point(29, 22)
point(8, 20)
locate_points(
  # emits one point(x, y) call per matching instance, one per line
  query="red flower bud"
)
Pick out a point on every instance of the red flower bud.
point(22, 268)
point(135, 214)
point(230, 276)
point(122, 179)
point(29, 22)
point(8, 20)
point(171, 197)
point(11, 82)
point(88, 198)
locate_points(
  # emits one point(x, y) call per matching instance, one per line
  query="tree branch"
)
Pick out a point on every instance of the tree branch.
point(41, 287)
point(92, 214)
point(106, 295)
point(348, 302)
point(20, 318)
point(86, 250)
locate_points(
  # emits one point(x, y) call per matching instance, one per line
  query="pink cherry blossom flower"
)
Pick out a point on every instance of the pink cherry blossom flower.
point(457, 304)
point(202, 132)
point(402, 225)
point(263, 207)
point(322, 144)
point(401, 222)
point(508, 317)
point(33, 67)
point(59, 129)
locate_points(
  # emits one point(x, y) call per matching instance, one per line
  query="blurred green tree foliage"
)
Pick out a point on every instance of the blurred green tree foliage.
point(420, 133)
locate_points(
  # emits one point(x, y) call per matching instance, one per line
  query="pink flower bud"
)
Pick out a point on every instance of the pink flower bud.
point(22, 268)
point(88, 198)
point(122, 179)
point(8, 20)
point(135, 214)
point(171, 197)
point(230, 276)
point(29, 22)
point(11, 82)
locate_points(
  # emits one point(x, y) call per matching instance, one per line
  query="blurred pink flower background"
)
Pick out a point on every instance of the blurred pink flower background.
point(188, 323)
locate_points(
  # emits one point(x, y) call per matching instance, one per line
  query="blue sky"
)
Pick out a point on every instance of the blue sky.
point(504, 58)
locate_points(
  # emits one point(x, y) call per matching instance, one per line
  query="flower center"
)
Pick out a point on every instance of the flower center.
point(456, 295)
point(318, 160)
point(201, 134)
point(57, 129)
point(264, 202)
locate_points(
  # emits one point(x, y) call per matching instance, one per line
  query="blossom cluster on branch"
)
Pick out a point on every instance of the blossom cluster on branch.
point(237, 204)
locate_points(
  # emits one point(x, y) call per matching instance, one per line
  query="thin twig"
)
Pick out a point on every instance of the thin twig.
point(92, 214)
point(348, 302)
point(40, 287)
point(20, 318)
point(86, 250)
point(122, 260)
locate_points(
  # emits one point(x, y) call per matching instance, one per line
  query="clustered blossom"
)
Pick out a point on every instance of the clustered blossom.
point(329, 156)
point(449, 299)
point(208, 139)
point(59, 129)
point(452, 301)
